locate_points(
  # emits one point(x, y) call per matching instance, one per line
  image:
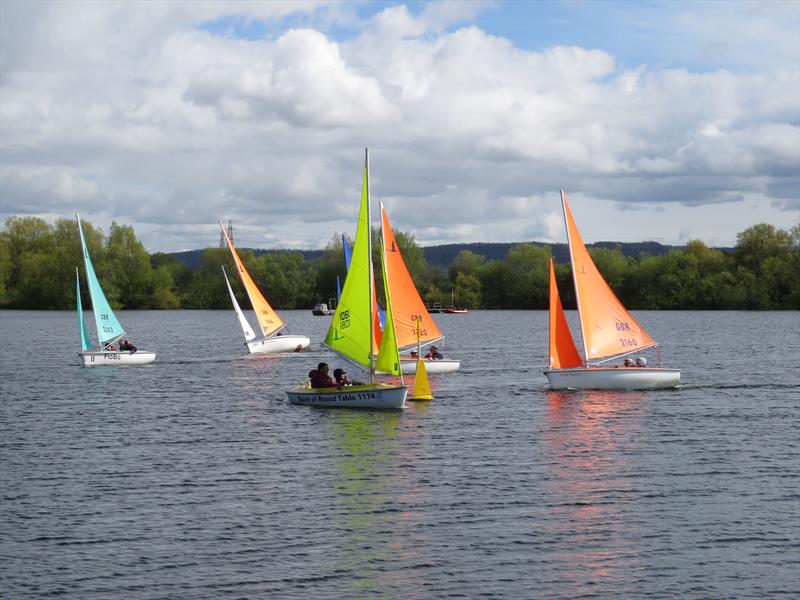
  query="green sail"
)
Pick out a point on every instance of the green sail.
point(85, 343)
point(349, 332)
point(388, 355)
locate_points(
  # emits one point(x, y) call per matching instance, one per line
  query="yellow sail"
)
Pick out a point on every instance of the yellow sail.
point(350, 331)
point(409, 310)
point(268, 319)
point(608, 329)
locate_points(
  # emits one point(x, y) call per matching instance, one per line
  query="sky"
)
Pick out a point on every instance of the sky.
point(661, 121)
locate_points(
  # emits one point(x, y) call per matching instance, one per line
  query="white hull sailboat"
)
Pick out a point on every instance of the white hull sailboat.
point(273, 341)
point(415, 327)
point(372, 395)
point(106, 358)
point(614, 378)
point(109, 329)
point(354, 328)
point(608, 330)
point(433, 366)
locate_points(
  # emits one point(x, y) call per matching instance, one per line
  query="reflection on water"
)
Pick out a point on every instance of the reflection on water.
point(375, 502)
point(585, 444)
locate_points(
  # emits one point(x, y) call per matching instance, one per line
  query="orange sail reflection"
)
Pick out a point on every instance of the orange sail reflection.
point(563, 353)
point(608, 329)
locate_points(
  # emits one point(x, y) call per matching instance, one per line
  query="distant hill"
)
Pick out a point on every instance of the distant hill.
point(444, 254)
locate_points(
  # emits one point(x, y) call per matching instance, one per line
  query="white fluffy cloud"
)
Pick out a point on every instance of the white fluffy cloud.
point(147, 115)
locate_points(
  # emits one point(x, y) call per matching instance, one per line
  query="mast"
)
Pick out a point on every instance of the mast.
point(371, 281)
point(574, 280)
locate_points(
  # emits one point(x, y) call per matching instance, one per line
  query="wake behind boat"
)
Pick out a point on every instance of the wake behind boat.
point(608, 330)
point(271, 324)
point(109, 329)
point(354, 329)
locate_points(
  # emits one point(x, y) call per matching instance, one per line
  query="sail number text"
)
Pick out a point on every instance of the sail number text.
point(626, 341)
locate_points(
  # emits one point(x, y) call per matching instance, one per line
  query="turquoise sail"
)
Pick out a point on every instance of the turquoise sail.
point(85, 343)
point(108, 327)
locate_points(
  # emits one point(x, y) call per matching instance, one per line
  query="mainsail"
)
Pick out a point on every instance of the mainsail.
point(268, 319)
point(380, 313)
point(407, 306)
point(249, 334)
point(108, 327)
point(350, 332)
point(85, 342)
point(608, 329)
point(563, 353)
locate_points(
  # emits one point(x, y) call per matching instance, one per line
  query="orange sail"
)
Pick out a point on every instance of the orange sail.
point(608, 329)
point(268, 319)
point(563, 353)
point(407, 306)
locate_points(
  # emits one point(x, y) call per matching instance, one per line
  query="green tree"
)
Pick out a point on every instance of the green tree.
point(468, 291)
point(130, 273)
point(530, 265)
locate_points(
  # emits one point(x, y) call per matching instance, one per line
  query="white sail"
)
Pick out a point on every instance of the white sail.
point(249, 334)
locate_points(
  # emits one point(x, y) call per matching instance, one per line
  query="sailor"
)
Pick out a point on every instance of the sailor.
point(628, 362)
point(641, 361)
point(434, 353)
point(320, 378)
point(341, 377)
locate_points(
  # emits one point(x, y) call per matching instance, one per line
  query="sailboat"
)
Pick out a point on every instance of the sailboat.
point(109, 329)
point(269, 321)
point(352, 332)
point(608, 330)
point(408, 308)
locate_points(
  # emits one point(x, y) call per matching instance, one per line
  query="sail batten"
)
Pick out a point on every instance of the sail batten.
point(108, 326)
point(608, 329)
point(407, 306)
point(268, 319)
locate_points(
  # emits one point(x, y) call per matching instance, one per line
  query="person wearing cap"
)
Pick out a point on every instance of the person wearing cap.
point(628, 362)
point(341, 378)
point(320, 378)
point(641, 361)
point(434, 353)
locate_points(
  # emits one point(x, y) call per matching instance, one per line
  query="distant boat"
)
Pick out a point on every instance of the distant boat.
point(323, 310)
point(453, 310)
point(609, 332)
point(352, 332)
point(409, 309)
point(268, 320)
point(109, 329)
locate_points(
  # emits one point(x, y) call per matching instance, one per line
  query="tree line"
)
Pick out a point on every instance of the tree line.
point(38, 260)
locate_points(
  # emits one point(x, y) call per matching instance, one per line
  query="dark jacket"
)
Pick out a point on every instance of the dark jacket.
point(319, 380)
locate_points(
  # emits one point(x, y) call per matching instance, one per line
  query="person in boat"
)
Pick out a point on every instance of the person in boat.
point(414, 354)
point(434, 354)
point(341, 378)
point(319, 377)
point(641, 361)
point(109, 348)
point(127, 346)
point(629, 362)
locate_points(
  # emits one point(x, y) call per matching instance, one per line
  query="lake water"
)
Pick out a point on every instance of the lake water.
point(193, 477)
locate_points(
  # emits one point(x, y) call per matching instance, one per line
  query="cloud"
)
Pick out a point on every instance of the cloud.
point(169, 118)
